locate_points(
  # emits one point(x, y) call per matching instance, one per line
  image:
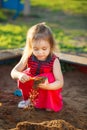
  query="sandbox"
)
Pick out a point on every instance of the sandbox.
point(73, 116)
point(74, 110)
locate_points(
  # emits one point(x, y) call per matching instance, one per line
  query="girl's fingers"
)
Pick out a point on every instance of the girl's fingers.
point(24, 80)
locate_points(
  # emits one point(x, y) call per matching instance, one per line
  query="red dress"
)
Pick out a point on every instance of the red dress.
point(46, 99)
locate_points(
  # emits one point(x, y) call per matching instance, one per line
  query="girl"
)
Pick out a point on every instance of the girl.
point(40, 60)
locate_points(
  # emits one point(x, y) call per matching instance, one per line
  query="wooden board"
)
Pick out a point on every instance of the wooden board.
point(9, 54)
point(73, 59)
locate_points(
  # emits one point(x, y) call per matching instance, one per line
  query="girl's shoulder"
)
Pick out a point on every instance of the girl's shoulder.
point(30, 58)
point(55, 56)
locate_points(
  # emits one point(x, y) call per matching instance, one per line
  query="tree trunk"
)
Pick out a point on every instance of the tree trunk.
point(26, 10)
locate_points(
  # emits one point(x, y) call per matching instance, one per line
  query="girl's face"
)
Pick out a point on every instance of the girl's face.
point(41, 49)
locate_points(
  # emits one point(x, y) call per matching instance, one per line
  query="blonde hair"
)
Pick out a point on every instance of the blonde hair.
point(38, 32)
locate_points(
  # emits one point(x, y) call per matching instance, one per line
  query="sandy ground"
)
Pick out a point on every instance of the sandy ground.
point(72, 117)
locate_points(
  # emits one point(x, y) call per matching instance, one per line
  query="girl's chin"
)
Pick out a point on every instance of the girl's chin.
point(41, 59)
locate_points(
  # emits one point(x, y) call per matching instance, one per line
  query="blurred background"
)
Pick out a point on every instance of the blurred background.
point(67, 19)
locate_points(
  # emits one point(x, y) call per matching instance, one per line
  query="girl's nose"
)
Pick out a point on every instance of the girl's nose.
point(40, 52)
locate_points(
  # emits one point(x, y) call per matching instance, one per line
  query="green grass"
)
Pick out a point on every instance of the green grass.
point(67, 19)
point(2, 16)
point(73, 6)
point(12, 36)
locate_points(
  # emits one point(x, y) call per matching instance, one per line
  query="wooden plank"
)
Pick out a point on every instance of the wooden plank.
point(9, 54)
point(74, 59)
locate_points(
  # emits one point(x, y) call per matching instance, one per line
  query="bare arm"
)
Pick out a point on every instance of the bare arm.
point(58, 83)
point(58, 76)
point(17, 73)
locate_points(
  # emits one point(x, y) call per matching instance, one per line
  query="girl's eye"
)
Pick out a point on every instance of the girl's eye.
point(35, 49)
point(44, 48)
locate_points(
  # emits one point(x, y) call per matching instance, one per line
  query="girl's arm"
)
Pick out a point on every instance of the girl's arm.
point(58, 83)
point(17, 73)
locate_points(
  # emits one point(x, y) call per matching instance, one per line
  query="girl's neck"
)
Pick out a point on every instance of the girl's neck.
point(46, 60)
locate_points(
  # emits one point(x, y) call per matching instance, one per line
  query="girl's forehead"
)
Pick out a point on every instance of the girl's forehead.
point(40, 43)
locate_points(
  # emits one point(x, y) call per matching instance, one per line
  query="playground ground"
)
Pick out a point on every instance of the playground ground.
point(74, 97)
point(75, 87)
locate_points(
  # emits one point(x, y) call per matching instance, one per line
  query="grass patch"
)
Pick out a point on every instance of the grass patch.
point(71, 6)
point(12, 36)
point(67, 20)
point(2, 16)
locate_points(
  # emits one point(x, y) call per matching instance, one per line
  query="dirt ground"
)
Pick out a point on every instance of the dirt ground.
point(72, 117)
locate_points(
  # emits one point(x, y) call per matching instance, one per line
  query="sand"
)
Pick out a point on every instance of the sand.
point(73, 116)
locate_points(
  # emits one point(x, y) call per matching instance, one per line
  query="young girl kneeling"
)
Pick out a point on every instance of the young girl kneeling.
point(41, 61)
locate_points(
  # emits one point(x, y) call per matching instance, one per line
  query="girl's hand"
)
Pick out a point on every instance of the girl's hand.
point(44, 85)
point(24, 78)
